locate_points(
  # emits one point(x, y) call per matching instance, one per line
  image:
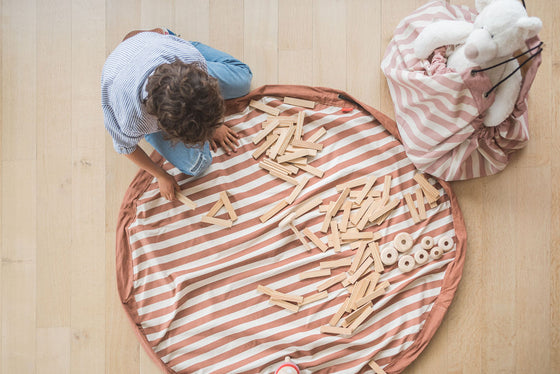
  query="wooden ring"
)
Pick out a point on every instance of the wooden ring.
point(445, 243)
point(421, 256)
point(436, 253)
point(427, 242)
point(389, 256)
point(406, 263)
point(403, 241)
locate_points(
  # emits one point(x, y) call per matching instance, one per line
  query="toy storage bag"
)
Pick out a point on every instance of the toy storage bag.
point(439, 112)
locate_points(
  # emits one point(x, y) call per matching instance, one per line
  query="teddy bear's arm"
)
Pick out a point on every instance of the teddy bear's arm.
point(441, 33)
point(506, 96)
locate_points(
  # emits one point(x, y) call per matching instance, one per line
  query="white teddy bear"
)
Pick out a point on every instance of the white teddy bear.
point(500, 29)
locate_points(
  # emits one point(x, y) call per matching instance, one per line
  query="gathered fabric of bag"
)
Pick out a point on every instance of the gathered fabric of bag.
point(439, 112)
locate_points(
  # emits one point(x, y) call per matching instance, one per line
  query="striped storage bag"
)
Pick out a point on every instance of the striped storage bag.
point(439, 111)
point(191, 289)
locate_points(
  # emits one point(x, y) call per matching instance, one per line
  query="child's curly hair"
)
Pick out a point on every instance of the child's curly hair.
point(186, 101)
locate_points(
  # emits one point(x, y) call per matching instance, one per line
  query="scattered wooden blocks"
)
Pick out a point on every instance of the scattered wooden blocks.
point(432, 194)
point(361, 318)
point(357, 218)
point(328, 329)
point(227, 204)
point(357, 293)
point(386, 189)
point(296, 154)
point(266, 145)
point(385, 209)
point(222, 202)
point(372, 364)
point(267, 130)
point(307, 206)
point(317, 135)
point(358, 259)
point(311, 170)
point(283, 176)
point(185, 200)
point(284, 304)
point(304, 144)
point(356, 235)
point(215, 208)
point(217, 221)
point(335, 236)
point(281, 299)
point(420, 203)
point(335, 263)
point(299, 125)
point(346, 209)
point(380, 290)
point(315, 297)
point(272, 212)
point(347, 321)
point(338, 315)
point(369, 184)
point(299, 102)
point(297, 190)
point(374, 251)
point(265, 108)
point(364, 267)
point(318, 242)
point(315, 274)
point(300, 237)
point(331, 282)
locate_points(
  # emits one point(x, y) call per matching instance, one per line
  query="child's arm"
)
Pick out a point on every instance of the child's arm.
point(167, 184)
point(233, 75)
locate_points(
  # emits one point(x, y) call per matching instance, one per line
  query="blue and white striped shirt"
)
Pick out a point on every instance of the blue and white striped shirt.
point(123, 82)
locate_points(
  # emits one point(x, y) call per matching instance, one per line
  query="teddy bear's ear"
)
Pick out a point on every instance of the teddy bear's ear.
point(481, 4)
point(531, 25)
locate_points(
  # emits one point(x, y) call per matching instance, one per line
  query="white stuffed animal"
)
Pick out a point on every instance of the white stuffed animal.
point(500, 29)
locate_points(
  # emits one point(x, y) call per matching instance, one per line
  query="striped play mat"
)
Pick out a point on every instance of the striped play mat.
point(191, 289)
point(439, 112)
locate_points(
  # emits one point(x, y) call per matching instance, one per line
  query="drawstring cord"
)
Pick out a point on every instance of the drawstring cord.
point(539, 50)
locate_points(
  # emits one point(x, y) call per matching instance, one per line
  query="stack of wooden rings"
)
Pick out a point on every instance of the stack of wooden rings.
point(403, 242)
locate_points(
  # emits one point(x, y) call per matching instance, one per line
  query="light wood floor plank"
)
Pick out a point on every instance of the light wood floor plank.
point(329, 43)
point(364, 45)
point(295, 25)
point(554, 267)
point(54, 160)
point(226, 26)
point(261, 40)
point(88, 192)
point(295, 67)
point(122, 348)
point(62, 183)
point(18, 317)
point(295, 42)
point(192, 20)
point(18, 79)
point(53, 350)
point(157, 13)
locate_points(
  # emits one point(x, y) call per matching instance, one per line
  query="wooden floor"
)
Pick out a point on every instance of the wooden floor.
point(62, 183)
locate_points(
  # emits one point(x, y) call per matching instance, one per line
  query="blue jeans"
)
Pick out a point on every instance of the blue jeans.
point(190, 160)
point(234, 78)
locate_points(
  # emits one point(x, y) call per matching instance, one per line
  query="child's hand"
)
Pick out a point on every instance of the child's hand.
point(167, 186)
point(226, 138)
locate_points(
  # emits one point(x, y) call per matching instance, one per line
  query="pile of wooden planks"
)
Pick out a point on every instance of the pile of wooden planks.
point(285, 151)
point(357, 207)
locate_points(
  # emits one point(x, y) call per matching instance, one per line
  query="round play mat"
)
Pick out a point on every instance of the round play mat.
point(239, 292)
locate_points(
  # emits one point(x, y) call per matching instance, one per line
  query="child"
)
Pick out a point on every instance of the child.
point(157, 86)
